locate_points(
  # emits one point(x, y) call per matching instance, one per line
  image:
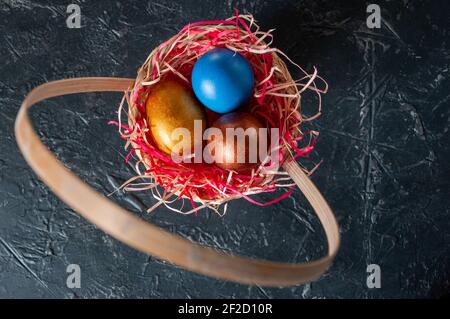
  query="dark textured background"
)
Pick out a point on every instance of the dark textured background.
point(384, 144)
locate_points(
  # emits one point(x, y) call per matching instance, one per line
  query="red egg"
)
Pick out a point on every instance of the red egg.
point(238, 148)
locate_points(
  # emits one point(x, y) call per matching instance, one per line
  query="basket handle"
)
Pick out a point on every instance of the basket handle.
point(151, 239)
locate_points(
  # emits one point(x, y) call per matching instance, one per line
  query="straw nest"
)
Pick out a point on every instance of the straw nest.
point(276, 102)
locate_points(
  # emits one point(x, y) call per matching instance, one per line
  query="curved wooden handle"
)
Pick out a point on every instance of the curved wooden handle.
point(146, 237)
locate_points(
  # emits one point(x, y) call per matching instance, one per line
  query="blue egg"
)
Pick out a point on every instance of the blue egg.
point(222, 80)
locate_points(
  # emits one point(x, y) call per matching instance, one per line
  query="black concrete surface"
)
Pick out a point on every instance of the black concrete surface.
point(384, 144)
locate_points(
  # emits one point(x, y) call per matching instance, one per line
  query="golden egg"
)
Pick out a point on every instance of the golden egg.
point(230, 153)
point(171, 105)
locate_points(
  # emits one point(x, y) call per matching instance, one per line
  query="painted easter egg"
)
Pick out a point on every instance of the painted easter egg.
point(222, 80)
point(241, 154)
point(171, 105)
